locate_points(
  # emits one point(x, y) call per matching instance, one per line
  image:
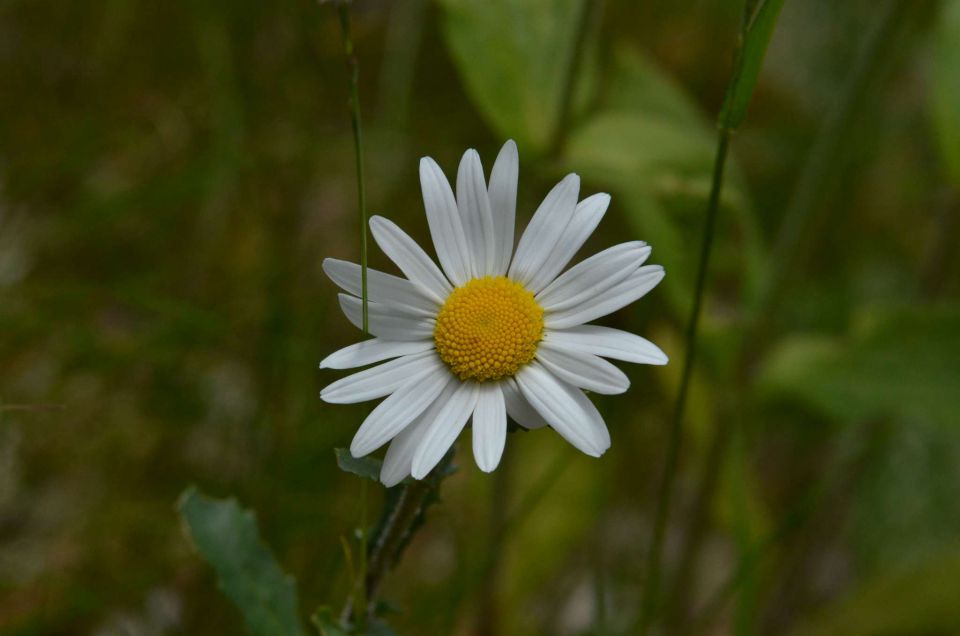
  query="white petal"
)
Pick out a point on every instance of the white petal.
point(518, 408)
point(446, 227)
point(399, 458)
point(381, 380)
point(410, 258)
point(585, 219)
point(544, 230)
point(381, 287)
point(565, 408)
point(593, 275)
point(503, 203)
point(489, 426)
point(370, 351)
point(444, 429)
point(475, 212)
point(393, 414)
point(396, 463)
point(607, 342)
point(583, 370)
point(608, 301)
point(389, 323)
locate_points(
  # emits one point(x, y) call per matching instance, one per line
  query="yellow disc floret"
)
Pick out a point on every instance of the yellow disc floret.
point(488, 329)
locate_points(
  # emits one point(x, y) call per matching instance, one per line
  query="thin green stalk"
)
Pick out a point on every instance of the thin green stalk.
point(353, 66)
point(825, 160)
point(569, 88)
point(652, 581)
point(404, 511)
point(360, 591)
point(840, 465)
point(829, 151)
point(756, 29)
point(401, 518)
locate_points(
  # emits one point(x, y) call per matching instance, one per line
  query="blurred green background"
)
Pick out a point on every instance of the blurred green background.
point(173, 173)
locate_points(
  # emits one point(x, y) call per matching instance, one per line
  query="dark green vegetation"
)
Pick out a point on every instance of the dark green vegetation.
point(172, 174)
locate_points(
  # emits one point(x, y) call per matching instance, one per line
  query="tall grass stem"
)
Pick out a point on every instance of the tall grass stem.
point(360, 591)
point(353, 67)
point(652, 581)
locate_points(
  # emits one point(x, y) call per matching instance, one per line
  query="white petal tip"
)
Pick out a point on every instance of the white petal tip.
point(487, 466)
point(418, 474)
point(390, 480)
point(358, 450)
point(325, 363)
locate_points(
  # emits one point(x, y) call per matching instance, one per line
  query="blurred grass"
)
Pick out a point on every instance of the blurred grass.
point(171, 176)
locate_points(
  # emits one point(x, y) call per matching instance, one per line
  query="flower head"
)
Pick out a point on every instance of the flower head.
point(491, 332)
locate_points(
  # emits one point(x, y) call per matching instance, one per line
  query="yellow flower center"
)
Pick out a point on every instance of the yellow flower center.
point(488, 329)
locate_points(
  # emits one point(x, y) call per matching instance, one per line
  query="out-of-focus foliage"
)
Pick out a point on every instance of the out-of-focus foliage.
point(898, 364)
point(515, 58)
point(227, 537)
point(171, 175)
point(649, 143)
point(921, 599)
point(946, 88)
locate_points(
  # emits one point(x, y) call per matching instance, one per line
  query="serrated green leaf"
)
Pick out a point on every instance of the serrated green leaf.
point(368, 467)
point(945, 85)
point(747, 71)
point(921, 599)
point(898, 364)
point(514, 56)
point(226, 536)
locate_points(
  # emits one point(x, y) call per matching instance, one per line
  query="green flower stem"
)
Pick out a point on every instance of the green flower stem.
point(353, 66)
point(651, 584)
point(402, 516)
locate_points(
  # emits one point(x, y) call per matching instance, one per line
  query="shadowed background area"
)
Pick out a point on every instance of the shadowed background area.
point(173, 174)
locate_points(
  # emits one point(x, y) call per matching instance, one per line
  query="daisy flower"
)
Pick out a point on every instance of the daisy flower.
point(490, 333)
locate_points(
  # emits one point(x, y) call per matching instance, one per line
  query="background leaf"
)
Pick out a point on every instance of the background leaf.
point(651, 145)
point(896, 364)
point(921, 599)
point(227, 537)
point(514, 57)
